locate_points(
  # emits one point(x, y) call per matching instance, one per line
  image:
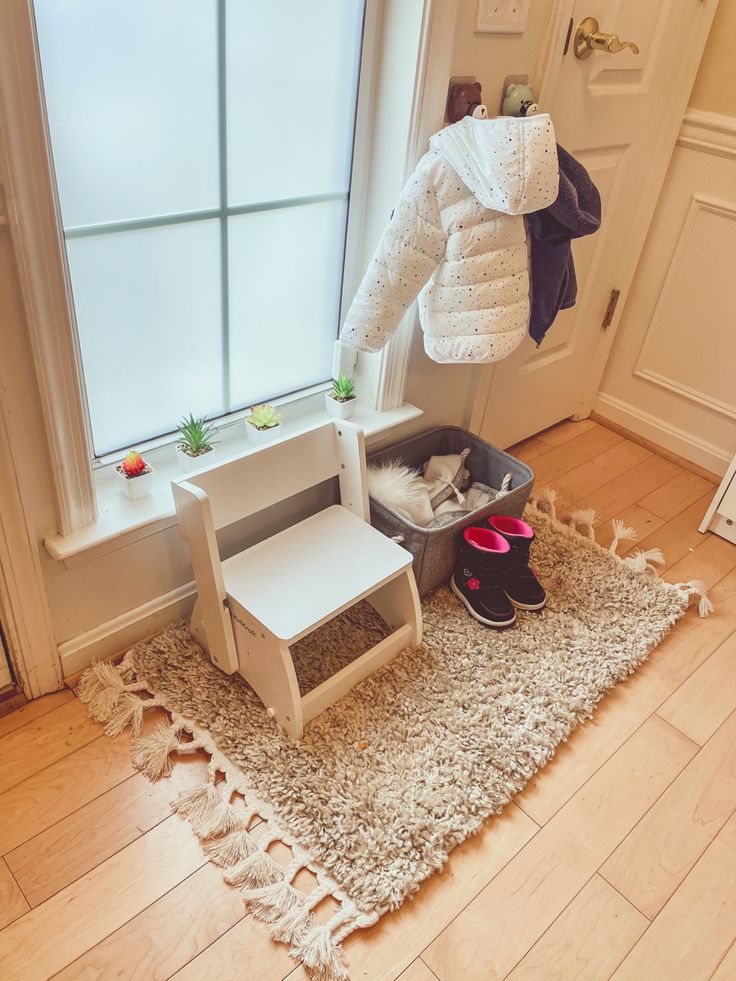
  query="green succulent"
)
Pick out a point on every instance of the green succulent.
point(263, 416)
point(343, 389)
point(196, 435)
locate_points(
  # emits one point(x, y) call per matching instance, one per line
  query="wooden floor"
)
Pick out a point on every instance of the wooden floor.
point(618, 860)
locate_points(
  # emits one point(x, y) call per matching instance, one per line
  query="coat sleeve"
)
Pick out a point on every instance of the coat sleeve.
point(410, 250)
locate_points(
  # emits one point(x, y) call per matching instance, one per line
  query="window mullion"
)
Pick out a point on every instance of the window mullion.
point(224, 244)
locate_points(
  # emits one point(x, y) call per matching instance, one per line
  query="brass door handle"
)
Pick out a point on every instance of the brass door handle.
point(589, 39)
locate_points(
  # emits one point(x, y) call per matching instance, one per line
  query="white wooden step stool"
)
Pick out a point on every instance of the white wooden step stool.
point(252, 608)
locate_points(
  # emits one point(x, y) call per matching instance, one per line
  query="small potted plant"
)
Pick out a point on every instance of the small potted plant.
point(263, 424)
point(136, 475)
point(340, 400)
point(195, 442)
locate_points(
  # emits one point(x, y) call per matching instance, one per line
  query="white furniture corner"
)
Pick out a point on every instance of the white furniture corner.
point(254, 607)
point(721, 514)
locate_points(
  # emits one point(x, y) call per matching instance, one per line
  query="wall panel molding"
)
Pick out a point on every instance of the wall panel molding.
point(709, 132)
point(687, 262)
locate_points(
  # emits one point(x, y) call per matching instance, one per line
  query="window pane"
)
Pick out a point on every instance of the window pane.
point(131, 95)
point(149, 317)
point(285, 273)
point(291, 90)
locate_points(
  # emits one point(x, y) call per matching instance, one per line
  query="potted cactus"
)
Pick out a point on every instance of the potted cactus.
point(340, 400)
point(195, 441)
point(136, 475)
point(263, 424)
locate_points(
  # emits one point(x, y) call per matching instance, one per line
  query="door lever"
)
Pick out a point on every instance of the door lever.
point(589, 39)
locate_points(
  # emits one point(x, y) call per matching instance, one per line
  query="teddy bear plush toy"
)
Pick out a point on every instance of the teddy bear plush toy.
point(519, 101)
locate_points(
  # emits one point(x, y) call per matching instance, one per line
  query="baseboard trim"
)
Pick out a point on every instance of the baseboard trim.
point(114, 635)
point(713, 460)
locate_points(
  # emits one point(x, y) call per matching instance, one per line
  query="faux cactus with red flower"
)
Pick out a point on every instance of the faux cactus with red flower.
point(133, 465)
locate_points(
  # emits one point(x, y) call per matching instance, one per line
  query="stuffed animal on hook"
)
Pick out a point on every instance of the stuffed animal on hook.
point(519, 100)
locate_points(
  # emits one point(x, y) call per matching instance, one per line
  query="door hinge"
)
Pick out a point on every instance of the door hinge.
point(611, 308)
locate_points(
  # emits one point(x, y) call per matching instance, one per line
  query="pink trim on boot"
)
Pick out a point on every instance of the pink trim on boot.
point(511, 526)
point(486, 540)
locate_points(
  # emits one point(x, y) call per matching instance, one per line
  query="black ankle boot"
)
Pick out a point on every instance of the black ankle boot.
point(482, 567)
point(521, 585)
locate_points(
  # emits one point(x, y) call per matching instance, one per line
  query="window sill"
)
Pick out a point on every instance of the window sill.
point(121, 521)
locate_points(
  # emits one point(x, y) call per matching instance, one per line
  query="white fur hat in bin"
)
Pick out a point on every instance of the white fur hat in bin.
point(433, 547)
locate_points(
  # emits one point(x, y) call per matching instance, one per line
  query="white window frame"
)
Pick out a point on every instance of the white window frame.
point(33, 216)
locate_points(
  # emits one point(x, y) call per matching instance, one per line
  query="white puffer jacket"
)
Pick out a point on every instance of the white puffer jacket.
point(458, 235)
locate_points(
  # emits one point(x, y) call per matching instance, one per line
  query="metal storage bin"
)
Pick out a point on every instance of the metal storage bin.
point(434, 548)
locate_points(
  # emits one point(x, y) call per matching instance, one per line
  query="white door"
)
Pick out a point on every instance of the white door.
point(619, 114)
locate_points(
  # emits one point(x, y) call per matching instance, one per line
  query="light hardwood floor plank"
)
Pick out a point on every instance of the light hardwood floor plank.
point(501, 924)
point(529, 449)
point(33, 710)
point(76, 844)
point(642, 521)
point(49, 796)
point(694, 931)
point(711, 559)
point(45, 741)
point(560, 460)
point(165, 936)
point(703, 702)
point(57, 932)
point(678, 536)
point(726, 970)
point(12, 901)
point(563, 432)
point(418, 971)
point(651, 862)
point(587, 941)
point(246, 951)
point(678, 493)
point(613, 498)
point(582, 481)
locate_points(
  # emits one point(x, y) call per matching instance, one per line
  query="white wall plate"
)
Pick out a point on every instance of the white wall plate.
point(501, 16)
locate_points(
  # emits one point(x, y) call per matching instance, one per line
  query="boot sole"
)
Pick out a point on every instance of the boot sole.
point(531, 607)
point(476, 616)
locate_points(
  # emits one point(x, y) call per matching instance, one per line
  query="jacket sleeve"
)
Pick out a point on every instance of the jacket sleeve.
point(410, 250)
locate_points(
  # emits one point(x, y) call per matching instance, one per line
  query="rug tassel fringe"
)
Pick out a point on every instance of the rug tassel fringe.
point(621, 533)
point(258, 870)
point(218, 819)
point(293, 925)
point(152, 754)
point(231, 849)
point(544, 501)
point(271, 903)
point(128, 711)
point(696, 587)
point(584, 518)
point(645, 561)
point(102, 687)
point(320, 955)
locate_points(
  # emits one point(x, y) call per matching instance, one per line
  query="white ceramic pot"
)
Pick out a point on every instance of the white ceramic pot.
point(135, 487)
point(260, 436)
point(188, 463)
point(339, 410)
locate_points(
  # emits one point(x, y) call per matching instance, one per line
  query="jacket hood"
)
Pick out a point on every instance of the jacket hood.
point(509, 164)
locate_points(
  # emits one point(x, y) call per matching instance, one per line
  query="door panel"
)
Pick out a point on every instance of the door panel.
point(619, 114)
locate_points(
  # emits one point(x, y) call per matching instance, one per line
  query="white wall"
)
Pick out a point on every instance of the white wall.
point(671, 376)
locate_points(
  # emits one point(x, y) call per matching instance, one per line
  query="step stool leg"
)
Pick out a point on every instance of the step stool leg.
point(398, 603)
point(266, 664)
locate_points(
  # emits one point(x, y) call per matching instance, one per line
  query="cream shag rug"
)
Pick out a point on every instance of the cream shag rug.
point(387, 781)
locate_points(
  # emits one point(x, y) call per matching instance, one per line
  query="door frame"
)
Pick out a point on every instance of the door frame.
point(34, 654)
point(671, 123)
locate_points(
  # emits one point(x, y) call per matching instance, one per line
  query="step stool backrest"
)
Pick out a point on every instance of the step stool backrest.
point(247, 484)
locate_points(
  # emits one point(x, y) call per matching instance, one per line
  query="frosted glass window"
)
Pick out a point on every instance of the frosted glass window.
point(287, 284)
point(131, 97)
point(202, 152)
point(291, 103)
point(148, 313)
